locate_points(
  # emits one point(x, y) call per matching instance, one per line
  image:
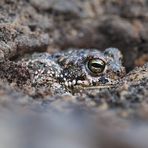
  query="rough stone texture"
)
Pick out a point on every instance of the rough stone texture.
point(34, 25)
point(52, 25)
point(115, 117)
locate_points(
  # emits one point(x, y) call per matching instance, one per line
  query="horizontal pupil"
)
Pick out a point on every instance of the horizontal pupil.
point(96, 65)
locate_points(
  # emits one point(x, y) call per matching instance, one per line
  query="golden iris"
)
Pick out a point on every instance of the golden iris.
point(96, 66)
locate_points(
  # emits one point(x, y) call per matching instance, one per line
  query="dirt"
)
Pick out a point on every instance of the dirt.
point(107, 118)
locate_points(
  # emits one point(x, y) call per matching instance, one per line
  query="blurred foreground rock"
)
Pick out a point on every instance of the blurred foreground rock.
point(115, 117)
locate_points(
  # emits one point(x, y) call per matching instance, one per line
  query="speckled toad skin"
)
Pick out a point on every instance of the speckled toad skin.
point(74, 70)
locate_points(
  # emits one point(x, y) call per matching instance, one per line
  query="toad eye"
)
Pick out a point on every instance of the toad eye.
point(96, 66)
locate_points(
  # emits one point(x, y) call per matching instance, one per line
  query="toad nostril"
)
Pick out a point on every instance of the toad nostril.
point(118, 72)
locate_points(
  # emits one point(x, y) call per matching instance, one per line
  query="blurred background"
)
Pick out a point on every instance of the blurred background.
point(60, 24)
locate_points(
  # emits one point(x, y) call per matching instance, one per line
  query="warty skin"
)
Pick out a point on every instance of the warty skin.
point(75, 69)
